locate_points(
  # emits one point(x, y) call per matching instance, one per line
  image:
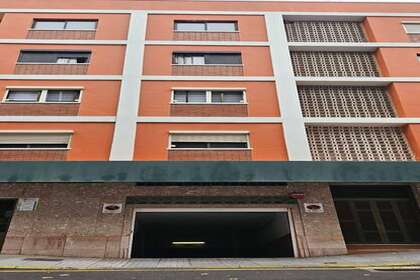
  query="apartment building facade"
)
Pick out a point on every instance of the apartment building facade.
point(132, 129)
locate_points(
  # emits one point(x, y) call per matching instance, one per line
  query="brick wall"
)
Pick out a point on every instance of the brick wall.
point(69, 222)
point(67, 69)
point(35, 109)
point(33, 154)
point(414, 37)
point(209, 155)
point(206, 36)
point(209, 110)
point(207, 70)
point(61, 34)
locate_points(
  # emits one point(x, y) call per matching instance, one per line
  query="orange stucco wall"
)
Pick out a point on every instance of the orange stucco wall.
point(90, 141)
point(399, 62)
point(406, 99)
point(413, 135)
point(156, 96)
point(256, 60)
point(211, 5)
point(387, 29)
point(99, 62)
point(251, 28)
point(266, 139)
point(99, 98)
point(110, 26)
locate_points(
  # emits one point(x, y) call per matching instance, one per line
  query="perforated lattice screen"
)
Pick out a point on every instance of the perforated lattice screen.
point(358, 143)
point(334, 64)
point(324, 31)
point(339, 101)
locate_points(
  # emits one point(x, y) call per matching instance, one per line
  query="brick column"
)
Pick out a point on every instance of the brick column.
point(322, 230)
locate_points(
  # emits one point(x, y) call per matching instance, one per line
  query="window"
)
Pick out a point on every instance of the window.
point(206, 26)
point(23, 95)
point(41, 96)
point(209, 141)
point(412, 28)
point(208, 96)
point(207, 58)
point(58, 57)
point(47, 24)
point(227, 97)
point(34, 140)
point(62, 95)
point(189, 96)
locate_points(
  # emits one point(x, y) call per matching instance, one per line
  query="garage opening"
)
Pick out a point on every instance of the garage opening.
point(7, 206)
point(377, 215)
point(212, 235)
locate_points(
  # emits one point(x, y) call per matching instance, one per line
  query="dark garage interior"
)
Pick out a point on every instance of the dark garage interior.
point(212, 235)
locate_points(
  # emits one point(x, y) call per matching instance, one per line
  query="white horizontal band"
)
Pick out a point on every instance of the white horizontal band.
point(57, 119)
point(209, 119)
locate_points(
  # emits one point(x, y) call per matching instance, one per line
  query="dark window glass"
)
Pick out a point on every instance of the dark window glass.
point(223, 58)
point(23, 95)
point(227, 97)
point(189, 96)
point(62, 95)
point(208, 145)
point(31, 146)
point(53, 56)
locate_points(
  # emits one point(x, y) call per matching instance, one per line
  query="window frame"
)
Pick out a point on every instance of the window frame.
point(206, 22)
point(65, 21)
point(204, 54)
point(88, 58)
point(209, 92)
point(246, 133)
point(64, 132)
point(43, 96)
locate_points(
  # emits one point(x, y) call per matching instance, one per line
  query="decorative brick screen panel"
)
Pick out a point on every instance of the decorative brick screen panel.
point(53, 109)
point(207, 70)
point(66, 69)
point(358, 144)
point(209, 110)
point(206, 36)
point(337, 101)
point(324, 31)
point(33, 155)
point(209, 155)
point(334, 64)
point(61, 34)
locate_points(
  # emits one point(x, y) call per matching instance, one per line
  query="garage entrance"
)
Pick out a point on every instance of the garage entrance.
point(211, 234)
point(7, 206)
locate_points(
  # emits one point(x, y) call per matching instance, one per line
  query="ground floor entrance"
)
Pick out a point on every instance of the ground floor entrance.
point(7, 206)
point(212, 233)
point(381, 215)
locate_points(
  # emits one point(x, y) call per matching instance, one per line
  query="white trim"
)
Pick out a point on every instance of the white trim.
point(62, 77)
point(287, 94)
point(355, 81)
point(65, 29)
point(211, 149)
point(209, 88)
point(230, 65)
point(208, 132)
point(362, 121)
point(353, 47)
point(46, 87)
point(49, 63)
point(124, 137)
point(212, 210)
point(208, 96)
point(62, 42)
point(58, 119)
point(207, 43)
point(209, 119)
point(36, 131)
point(207, 78)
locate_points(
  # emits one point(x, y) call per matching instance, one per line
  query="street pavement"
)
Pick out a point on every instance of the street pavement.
point(301, 274)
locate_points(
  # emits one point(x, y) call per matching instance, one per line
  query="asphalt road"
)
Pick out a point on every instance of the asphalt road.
point(214, 275)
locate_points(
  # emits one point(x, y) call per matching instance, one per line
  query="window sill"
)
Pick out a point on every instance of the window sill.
point(35, 149)
point(30, 102)
point(207, 103)
point(35, 29)
point(209, 149)
point(205, 31)
point(49, 63)
point(237, 65)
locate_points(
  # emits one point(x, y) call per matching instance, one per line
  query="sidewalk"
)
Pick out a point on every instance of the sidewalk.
point(389, 260)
